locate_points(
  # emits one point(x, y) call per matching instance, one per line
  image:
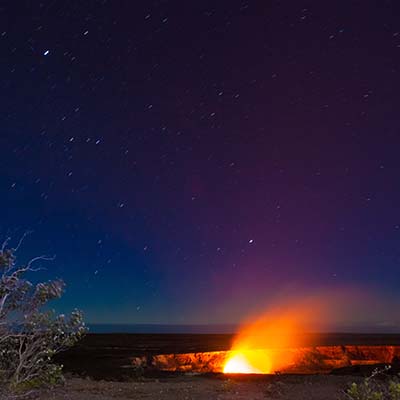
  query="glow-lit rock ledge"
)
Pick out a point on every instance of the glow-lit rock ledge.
point(305, 360)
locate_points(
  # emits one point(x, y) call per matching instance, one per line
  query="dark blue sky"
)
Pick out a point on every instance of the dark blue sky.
point(186, 161)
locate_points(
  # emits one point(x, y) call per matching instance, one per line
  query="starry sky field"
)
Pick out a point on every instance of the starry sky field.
point(188, 161)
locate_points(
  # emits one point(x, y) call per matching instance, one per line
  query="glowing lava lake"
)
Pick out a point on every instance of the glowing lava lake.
point(276, 343)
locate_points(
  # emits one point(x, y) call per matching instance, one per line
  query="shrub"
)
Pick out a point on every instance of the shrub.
point(30, 334)
point(371, 389)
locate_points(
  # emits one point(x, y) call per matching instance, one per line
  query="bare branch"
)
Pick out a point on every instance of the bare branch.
point(44, 257)
point(5, 243)
point(22, 239)
point(2, 302)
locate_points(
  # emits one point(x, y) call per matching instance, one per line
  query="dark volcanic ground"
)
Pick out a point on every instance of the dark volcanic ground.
point(107, 356)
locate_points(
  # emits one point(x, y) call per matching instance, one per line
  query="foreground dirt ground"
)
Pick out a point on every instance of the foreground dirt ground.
point(316, 387)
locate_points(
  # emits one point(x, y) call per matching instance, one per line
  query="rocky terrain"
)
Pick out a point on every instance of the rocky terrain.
point(311, 387)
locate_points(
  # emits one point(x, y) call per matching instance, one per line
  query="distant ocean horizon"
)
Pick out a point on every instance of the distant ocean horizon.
point(219, 329)
point(162, 328)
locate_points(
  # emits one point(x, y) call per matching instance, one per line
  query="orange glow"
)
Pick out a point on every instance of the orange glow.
point(248, 362)
point(268, 344)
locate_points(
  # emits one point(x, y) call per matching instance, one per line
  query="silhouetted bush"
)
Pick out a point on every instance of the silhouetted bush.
point(372, 389)
point(30, 334)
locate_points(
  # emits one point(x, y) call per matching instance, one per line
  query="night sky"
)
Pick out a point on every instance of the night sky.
point(187, 161)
